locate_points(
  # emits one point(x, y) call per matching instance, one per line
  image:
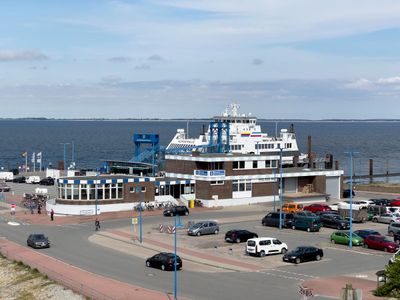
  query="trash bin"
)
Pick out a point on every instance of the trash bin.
point(191, 203)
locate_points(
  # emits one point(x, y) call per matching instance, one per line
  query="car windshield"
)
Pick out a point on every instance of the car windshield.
point(299, 249)
point(39, 236)
point(197, 225)
point(251, 243)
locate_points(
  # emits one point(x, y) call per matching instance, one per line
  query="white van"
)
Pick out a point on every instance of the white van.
point(33, 179)
point(7, 176)
point(265, 245)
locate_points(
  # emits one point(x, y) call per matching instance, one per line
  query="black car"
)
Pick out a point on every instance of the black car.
point(334, 221)
point(383, 201)
point(346, 193)
point(272, 219)
point(19, 179)
point(366, 232)
point(38, 241)
point(239, 235)
point(47, 181)
point(397, 238)
point(177, 211)
point(164, 261)
point(303, 253)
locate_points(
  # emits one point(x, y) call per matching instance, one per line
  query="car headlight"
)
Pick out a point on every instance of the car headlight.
point(293, 257)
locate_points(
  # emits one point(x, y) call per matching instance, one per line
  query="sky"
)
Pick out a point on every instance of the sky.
point(302, 59)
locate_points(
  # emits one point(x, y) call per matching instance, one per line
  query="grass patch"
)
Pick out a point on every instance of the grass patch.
point(25, 295)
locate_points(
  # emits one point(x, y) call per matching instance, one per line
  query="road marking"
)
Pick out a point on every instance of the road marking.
point(355, 251)
point(293, 273)
point(283, 276)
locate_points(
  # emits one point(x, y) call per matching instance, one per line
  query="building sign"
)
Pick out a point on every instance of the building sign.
point(209, 173)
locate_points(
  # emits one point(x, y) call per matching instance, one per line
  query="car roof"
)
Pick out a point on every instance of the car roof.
point(262, 238)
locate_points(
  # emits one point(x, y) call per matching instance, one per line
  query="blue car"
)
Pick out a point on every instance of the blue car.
point(366, 232)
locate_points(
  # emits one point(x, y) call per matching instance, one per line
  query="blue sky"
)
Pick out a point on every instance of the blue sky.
point(190, 58)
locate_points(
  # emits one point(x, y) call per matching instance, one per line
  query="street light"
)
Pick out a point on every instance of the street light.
point(175, 274)
point(139, 190)
point(96, 193)
point(351, 197)
point(280, 188)
point(274, 172)
point(65, 158)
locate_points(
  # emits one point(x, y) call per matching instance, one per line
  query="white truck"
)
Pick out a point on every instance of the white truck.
point(7, 176)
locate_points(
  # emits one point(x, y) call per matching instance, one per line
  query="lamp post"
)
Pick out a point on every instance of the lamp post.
point(96, 193)
point(280, 188)
point(274, 172)
point(139, 190)
point(65, 158)
point(175, 274)
point(351, 197)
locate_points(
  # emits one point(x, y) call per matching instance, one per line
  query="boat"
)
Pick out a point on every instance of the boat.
point(245, 137)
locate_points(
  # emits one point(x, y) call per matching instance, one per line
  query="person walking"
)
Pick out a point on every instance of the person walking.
point(97, 224)
point(52, 214)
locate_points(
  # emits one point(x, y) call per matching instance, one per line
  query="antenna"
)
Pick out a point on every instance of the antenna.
point(187, 129)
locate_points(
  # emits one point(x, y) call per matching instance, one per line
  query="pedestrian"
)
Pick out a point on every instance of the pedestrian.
point(97, 224)
point(39, 211)
point(52, 214)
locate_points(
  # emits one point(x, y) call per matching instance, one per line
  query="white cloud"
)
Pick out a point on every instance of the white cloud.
point(18, 55)
point(390, 80)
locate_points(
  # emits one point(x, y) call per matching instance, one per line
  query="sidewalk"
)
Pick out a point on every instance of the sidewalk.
point(78, 280)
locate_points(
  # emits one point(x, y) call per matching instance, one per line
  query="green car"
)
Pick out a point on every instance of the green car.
point(343, 237)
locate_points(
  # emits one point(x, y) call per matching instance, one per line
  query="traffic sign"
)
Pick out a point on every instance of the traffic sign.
point(135, 221)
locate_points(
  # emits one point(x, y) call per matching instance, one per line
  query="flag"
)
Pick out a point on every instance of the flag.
point(24, 154)
point(33, 157)
point(39, 158)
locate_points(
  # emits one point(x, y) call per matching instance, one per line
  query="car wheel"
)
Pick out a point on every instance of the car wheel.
point(391, 233)
point(339, 227)
point(284, 250)
point(147, 264)
point(163, 267)
point(375, 220)
point(333, 241)
point(308, 229)
point(264, 224)
point(385, 249)
point(238, 240)
point(293, 227)
point(318, 257)
point(262, 253)
point(198, 233)
point(297, 260)
point(216, 231)
point(397, 242)
point(365, 246)
point(186, 213)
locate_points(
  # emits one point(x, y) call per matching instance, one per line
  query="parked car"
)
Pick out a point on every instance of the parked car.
point(265, 245)
point(4, 187)
point(164, 261)
point(303, 253)
point(343, 237)
point(305, 214)
point(366, 232)
point(306, 223)
point(317, 208)
point(365, 202)
point(272, 219)
point(392, 209)
point(180, 210)
point(346, 193)
point(356, 205)
point(47, 181)
point(239, 235)
point(204, 227)
point(292, 207)
point(374, 210)
point(19, 179)
point(33, 179)
point(396, 238)
point(395, 202)
point(334, 206)
point(380, 242)
point(386, 218)
point(393, 228)
point(334, 221)
point(330, 212)
point(382, 201)
point(38, 240)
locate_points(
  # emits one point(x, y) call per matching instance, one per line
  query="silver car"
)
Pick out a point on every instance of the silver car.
point(386, 218)
point(393, 228)
point(203, 227)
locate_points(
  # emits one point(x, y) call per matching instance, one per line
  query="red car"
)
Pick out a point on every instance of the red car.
point(395, 202)
point(380, 242)
point(317, 208)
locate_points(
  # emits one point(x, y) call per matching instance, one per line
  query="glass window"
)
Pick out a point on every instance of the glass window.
point(255, 164)
point(241, 164)
point(235, 186)
point(236, 165)
point(75, 192)
point(248, 185)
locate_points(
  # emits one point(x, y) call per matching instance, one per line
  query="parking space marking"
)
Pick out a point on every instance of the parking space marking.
point(283, 276)
point(355, 251)
point(298, 274)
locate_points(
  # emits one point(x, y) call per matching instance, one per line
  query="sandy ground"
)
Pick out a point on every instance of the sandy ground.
point(20, 282)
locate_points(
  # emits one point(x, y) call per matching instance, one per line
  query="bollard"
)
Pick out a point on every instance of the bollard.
point(161, 228)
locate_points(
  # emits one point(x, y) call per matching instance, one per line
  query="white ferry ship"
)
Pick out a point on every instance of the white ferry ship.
point(245, 137)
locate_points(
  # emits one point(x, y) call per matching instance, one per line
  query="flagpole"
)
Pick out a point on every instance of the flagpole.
point(34, 161)
point(26, 162)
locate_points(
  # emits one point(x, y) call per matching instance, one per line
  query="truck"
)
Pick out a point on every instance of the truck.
point(359, 215)
point(7, 176)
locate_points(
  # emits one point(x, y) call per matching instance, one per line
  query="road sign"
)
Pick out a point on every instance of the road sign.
point(135, 221)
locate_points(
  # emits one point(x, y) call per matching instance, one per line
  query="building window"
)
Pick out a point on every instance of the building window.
point(217, 182)
point(235, 186)
point(132, 189)
point(235, 165)
point(255, 164)
point(241, 185)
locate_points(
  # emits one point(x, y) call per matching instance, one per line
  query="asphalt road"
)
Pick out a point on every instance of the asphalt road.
point(70, 244)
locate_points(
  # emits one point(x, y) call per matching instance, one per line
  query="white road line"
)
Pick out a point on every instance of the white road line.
point(283, 276)
point(293, 273)
point(355, 251)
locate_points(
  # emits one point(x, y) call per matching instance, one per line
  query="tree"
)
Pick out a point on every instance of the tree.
point(392, 285)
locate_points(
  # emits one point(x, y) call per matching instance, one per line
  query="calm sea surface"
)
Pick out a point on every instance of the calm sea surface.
point(97, 140)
